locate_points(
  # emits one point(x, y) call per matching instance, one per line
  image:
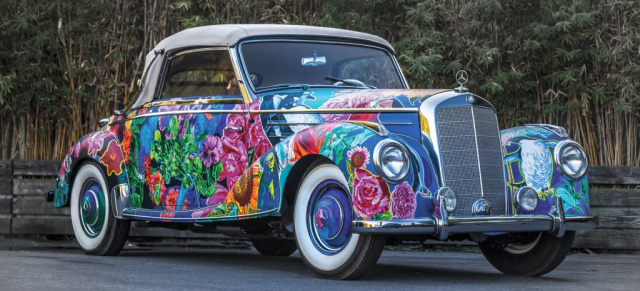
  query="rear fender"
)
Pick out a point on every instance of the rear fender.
point(104, 148)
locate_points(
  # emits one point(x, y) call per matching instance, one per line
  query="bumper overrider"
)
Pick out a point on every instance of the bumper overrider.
point(555, 222)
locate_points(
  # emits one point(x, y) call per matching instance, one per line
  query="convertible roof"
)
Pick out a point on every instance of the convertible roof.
point(230, 34)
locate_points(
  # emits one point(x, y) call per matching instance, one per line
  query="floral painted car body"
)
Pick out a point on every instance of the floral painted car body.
point(308, 138)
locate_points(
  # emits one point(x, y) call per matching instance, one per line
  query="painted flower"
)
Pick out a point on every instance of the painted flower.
point(219, 196)
point(234, 160)
point(370, 194)
point(403, 203)
point(171, 198)
point(359, 157)
point(211, 150)
point(96, 143)
point(236, 125)
point(112, 158)
point(126, 143)
point(308, 141)
point(245, 191)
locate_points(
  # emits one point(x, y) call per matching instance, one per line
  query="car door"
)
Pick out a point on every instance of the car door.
point(186, 148)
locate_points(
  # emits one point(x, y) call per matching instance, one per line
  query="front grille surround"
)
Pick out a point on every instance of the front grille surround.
point(468, 141)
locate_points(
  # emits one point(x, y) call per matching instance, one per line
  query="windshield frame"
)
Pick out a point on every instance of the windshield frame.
point(311, 39)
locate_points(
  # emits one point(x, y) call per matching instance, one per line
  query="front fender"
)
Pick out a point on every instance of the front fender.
point(104, 148)
point(528, 153)
point(350, 146)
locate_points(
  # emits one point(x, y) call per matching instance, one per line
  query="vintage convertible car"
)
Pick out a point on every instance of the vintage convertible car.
point(309, 138)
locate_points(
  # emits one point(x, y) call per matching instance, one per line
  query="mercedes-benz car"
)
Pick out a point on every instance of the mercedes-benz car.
point(309, 138)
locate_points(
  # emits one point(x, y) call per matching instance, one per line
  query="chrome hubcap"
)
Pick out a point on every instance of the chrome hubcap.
point(329, 217)
point(92, 210)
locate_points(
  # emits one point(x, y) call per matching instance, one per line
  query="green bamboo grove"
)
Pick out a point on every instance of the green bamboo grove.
point(575, 63)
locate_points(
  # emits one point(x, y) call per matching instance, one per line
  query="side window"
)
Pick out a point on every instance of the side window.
point(199, 74)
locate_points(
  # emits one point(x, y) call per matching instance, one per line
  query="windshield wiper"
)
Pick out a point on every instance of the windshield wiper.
point(352, 82)
point(283, 86)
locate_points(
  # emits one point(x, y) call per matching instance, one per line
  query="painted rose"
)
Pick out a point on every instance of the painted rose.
point(359, 157)
point(211, 150)
point(234, 159)
point(403, 203)
point(370, 194)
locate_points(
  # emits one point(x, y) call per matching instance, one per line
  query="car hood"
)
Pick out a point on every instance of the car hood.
point(326, 100)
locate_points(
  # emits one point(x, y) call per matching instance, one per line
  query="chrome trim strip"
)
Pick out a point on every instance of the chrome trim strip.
point(294, 123)
point(219, 48)
point(554, 222)
point(203, 101)
point(119, 199)
point(183, 112)
point(475, 135)
point(207, 219)
point(343, 110)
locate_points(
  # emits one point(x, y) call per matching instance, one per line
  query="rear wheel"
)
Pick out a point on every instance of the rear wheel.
point(534, 254)
point(322, 220)
point(96, 229)
point(275, 247)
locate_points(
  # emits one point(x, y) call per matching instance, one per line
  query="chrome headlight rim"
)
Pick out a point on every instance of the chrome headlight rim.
point(449, 196)
point(380, 149)
point(557, 156)
point(519, 199)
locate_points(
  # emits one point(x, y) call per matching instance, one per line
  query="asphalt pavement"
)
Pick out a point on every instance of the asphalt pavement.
point(28, 264)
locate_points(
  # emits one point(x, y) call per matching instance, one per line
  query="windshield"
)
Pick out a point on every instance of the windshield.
point(273, 63)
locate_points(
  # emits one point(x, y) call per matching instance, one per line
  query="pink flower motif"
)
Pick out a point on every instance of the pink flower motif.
point(359, 157)
point(211, 150)
point(95, 143)
point(403, 202)
point(370, 194)
point(236, 125)
point(355, 100)
point(234, 159)
point(219, 196)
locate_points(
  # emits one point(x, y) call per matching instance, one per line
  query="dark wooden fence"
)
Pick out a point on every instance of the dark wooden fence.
point(614, 194)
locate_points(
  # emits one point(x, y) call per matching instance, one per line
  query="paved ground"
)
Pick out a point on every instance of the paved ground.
point(28, 265)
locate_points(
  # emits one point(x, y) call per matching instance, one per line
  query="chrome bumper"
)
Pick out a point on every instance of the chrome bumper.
point(554, 222)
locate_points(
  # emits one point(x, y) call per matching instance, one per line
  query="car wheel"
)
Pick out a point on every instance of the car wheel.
point(96, 229)
point(535, 254)
point(322, 222)
point(274, 247)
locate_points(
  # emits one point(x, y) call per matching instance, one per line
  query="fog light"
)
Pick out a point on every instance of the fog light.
point(526, 199)
point(450, 198)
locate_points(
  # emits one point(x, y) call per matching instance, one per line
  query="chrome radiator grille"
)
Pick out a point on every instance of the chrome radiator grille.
point(469, 142)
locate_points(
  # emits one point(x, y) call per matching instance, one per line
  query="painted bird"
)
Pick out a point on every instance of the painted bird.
point(536, 164)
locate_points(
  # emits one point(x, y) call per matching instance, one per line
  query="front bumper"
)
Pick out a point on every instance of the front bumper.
point(554, 222)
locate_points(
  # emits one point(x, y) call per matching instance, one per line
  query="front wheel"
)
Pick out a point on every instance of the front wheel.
point(533, 254)
point(322, 220)
point(96, 229)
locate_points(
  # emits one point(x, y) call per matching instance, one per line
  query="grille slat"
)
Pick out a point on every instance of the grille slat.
point(469, 141)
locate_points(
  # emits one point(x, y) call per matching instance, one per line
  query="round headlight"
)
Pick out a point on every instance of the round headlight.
point(450, 199)
point(526, 199)
point(391, 160)
point(571, 159)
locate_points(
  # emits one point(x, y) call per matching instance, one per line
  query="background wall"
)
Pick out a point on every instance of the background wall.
point(66, 64)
